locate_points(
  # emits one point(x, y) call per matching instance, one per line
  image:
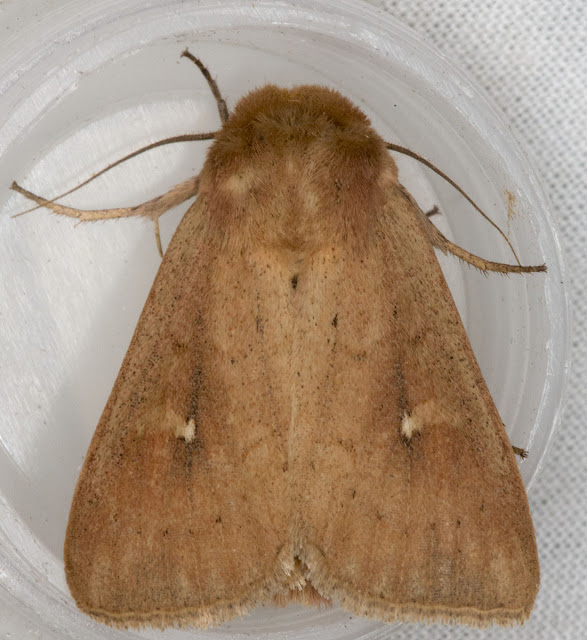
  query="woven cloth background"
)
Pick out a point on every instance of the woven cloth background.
point(530, 57)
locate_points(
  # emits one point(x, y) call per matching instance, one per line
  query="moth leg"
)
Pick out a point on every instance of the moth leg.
point(152, 209)
point(446, 246)
point(220, 102)
point(520, 452)
point(433, 212)
point(411, 154)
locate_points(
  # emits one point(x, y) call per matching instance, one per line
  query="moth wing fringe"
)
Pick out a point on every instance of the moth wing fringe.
point(388, 611)
point(266, 593)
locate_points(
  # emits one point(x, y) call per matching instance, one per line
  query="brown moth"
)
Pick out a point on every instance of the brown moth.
point(299, 414)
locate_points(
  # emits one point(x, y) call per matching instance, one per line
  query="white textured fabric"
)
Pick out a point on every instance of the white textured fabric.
point(530, 56)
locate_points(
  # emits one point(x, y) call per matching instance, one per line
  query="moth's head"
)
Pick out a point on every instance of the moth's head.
point(296, 166)
point(305, 110)
point(273, 119)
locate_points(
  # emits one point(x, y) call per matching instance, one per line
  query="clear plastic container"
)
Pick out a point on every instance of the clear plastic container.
point(97, 80)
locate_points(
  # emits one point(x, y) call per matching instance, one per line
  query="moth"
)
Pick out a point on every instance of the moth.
point(299, 415)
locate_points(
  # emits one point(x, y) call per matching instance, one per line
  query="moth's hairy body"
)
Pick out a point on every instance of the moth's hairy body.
point(299, 407)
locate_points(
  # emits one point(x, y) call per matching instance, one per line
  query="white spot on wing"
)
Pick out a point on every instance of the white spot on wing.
point(410, 425)
point(422, 415)
point(190, 430)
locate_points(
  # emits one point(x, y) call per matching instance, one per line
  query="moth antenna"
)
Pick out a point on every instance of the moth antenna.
point(407, 152)
point(220, 102)
point(189, 137)
point(441, 242)
point(152, 209)
point(158, 237)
